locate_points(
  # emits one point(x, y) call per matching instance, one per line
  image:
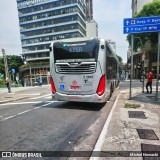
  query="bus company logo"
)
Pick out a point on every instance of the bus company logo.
point(73, 44)
point(74, 83)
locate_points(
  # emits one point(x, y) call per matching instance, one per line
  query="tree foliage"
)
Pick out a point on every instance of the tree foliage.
point(13, 62)
point(150, 9)
point(119, 58)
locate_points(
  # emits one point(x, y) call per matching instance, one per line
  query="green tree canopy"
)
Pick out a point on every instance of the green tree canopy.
point(13, 62)
point(119, 58)
point(150, 9)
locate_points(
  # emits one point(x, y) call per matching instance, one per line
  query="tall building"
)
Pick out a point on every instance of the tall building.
point(137, 5)
point(42, 21)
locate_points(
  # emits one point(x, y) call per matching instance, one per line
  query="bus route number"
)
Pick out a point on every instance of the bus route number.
point(75, 49)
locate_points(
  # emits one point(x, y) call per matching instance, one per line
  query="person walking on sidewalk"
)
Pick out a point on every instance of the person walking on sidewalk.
point(149, 82)
point(7, 85)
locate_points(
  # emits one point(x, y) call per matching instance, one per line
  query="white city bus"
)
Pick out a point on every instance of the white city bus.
point(83, 70)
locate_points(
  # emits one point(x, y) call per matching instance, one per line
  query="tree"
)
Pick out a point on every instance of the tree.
point(13, 62)
point(119, 58)
point(150, 9)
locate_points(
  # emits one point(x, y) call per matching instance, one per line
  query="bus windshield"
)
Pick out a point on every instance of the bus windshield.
point(65, 51)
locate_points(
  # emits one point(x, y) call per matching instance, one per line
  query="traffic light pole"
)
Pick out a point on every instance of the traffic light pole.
point(131, 75)
point(143, 76)
point(158, 63)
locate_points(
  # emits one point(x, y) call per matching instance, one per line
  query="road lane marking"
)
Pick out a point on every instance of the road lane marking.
point(104, 131)
point(26, 111)
point(41, 96)
point(54, 101)
point(32, 94)
point(21, 103)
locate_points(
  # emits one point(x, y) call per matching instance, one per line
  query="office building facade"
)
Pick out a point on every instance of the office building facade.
point(43, 21)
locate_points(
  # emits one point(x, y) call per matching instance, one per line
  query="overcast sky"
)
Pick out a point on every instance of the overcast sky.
point(109, 15)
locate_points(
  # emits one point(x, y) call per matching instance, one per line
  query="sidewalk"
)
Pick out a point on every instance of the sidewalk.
point(134, 126)
point(18, 93)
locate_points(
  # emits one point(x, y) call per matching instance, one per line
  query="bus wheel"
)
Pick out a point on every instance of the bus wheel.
point(111, 90)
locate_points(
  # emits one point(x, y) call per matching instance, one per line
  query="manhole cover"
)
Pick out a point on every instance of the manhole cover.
point(136, 114)
point(147, 134)
point(150, 149)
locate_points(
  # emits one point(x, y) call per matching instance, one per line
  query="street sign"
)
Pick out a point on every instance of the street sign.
point(140, 25)
point(141, 29)
point(141, 21)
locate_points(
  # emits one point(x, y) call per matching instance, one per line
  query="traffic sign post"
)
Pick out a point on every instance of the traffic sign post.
point(142, 25)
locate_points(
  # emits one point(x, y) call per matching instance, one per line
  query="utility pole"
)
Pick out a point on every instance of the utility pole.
point(6, 67)
point(131, 75)
point(158, 63)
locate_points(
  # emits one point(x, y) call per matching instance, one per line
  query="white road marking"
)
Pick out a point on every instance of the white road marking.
point(32, 94)
point(21, 103)
point(104, 131)
point(26, 111)
point(53, 101)
point(41, 96)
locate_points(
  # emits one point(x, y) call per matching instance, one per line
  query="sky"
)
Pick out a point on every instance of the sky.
point(108, 14)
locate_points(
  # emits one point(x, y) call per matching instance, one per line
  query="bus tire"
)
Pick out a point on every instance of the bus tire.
point(111, 90)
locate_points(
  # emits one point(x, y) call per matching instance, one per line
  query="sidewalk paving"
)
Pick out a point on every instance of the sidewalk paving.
point(18, 93)
point(133, 134)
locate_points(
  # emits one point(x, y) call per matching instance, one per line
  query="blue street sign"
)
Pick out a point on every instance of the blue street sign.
point(142, 24)
point(141, 29)
point(141, 21)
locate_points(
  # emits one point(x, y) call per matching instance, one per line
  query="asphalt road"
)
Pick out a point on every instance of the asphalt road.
point(40, 124)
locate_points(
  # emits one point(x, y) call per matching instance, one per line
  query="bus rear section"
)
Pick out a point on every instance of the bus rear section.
point(76, 73)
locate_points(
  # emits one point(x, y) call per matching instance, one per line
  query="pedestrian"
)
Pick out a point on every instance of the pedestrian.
point(8, 85)
point(40, 82)
point(149, 82)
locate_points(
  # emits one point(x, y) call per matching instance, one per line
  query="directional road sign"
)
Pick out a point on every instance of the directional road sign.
point(141, 29)
point(142, 24)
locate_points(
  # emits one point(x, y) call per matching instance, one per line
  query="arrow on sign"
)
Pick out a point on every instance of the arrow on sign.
point(127, 29)
point(127, 22)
